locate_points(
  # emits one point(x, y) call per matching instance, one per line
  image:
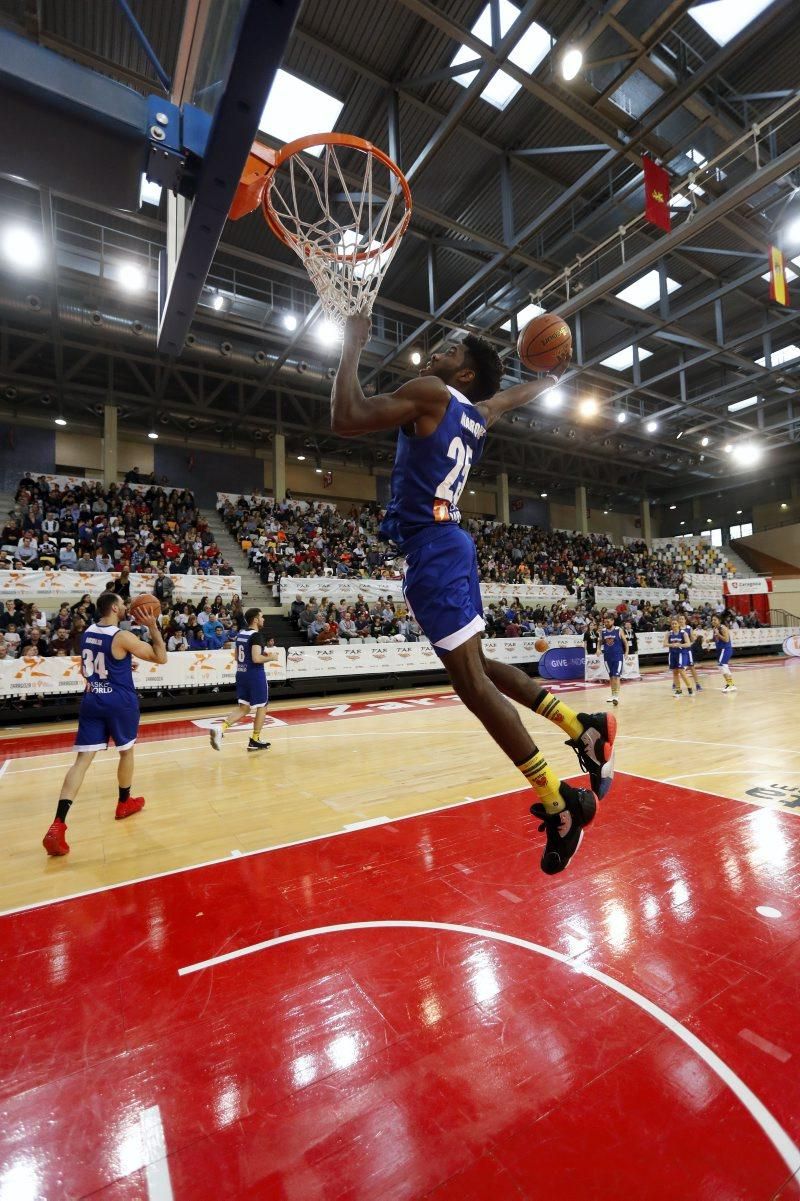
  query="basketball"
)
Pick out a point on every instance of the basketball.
point(146, 604)
point(540, 645)
point(545, 343)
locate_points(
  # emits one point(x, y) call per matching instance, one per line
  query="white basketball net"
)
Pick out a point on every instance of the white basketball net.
point(339, 230)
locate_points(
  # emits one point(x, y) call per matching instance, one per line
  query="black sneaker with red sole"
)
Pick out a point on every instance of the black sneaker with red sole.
point(564, 830)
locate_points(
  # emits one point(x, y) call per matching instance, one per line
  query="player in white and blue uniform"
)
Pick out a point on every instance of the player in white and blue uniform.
point(677, 644)
point(615, 648)
point(442, 418)
point(724, 647)
point(109, 709)
point(690, 631)
point(252, 689)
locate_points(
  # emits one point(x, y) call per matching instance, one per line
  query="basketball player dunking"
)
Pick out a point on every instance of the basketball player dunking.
point(442, 418)
point(109, 708)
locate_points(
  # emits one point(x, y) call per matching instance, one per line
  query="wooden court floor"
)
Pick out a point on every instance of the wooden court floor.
point(340, 762)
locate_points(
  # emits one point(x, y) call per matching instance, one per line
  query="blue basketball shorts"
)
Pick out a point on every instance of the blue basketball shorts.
point(112, 717)
point(678, 658)
point(441, 587)
point(613, 664)
point(252, 688)
point(724, 654)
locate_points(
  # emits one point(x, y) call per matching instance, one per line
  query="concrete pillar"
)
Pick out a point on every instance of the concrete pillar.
point(647, 529)
point(279, 466)
point(503, 510)
point(109, 445)
point(581, 515)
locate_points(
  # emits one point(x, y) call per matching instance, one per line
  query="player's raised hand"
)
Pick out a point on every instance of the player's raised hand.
point(148, 618)
point(356, 330)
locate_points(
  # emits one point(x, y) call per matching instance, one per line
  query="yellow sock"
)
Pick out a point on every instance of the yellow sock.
point(556, 711)
point(226, 725)
point(544, 781)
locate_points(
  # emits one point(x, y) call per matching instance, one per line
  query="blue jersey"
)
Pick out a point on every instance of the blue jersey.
point(430, 473)
point(105, 676)
point(244, 657)
point(675, 639)
point(611, 641)
point(720, 642)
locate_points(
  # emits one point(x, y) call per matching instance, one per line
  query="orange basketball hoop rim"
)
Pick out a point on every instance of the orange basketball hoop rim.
point(260, 172)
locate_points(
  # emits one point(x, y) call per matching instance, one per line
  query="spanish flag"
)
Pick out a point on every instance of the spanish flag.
point(656, 194)
point(778, 285)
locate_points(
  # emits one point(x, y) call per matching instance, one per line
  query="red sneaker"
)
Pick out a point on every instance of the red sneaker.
point(54, 841)
point(126, 808)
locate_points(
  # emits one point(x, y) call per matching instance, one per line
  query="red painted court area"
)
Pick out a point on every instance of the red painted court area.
point(627, 1030)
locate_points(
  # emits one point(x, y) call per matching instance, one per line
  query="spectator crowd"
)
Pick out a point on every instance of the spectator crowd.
point(87, 527)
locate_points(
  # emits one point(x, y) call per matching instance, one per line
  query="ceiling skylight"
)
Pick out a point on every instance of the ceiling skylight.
point(723, 19)
point(738, 405)
point(295, 108)
point(623, 359)
point(790, 275)
point(645, 292)
point(532, 48)
point(524, 316)
point(779, 357)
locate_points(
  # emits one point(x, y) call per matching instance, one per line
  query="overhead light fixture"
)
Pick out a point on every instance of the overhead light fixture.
point(739, 512)
point(525, 315)
point(472, 491)
point(792, 233)
point(727, 448)
point(704, 441)
point(784, 505)
point(747, 454)
point(553, 398)
point(149, 192)
point(779, 357)
point(708, 520)
point(588, 407)
point(218, 302)
point(301, 458)
point(318, 470)
point(622, 418)
point(679, 435)
point(295, 108)
point(543, 495)
point(60, 420)
point(723, 19)
point(153, 435)
point(683, 523)
point(132, 277)
point(651, 427)
point(531, 49)
point(416, 358)
point(328, 332)
point(738, 405)
point(672, 507)
point(645, 291)
point(605, 512)
point(22, 247)
point(571, 63)
point(623, 359)
point(289, 321)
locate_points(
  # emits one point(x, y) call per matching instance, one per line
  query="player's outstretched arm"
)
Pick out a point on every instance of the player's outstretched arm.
point(353, 413)
point(127, 641)
point(518, 395)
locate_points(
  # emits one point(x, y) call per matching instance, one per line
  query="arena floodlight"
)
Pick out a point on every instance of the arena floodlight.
point(21, 247)
point(132, 277)
point(571, 63)
point(289, 321)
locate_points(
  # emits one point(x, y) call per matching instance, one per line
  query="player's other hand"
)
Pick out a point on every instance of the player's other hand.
point(356, 330)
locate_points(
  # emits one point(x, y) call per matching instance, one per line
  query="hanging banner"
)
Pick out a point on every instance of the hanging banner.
point(748, 587)
point(619, 593)
point(778, 283)
point(349, 590)
point(656, 194)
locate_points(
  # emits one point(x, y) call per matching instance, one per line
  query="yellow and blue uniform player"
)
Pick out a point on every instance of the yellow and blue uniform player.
point(724, 647)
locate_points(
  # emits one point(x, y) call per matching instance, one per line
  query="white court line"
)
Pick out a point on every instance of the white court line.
point(4, 768)
point(154, 1146)
point(788, 1151)
point(765, 750)
point(731, 771)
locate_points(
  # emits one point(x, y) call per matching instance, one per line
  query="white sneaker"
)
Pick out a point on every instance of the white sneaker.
point(215, 736)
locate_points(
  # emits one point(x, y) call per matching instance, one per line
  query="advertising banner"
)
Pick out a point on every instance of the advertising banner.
point(43, 586)
point(700, 579)
point(596, 668)
point(565, 663)
point(183, 669)
point(349, 590)
point(791, 646)
point(618, 594)
point(747, 587)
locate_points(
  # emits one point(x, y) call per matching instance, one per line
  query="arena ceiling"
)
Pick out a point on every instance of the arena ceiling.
point(527, 190)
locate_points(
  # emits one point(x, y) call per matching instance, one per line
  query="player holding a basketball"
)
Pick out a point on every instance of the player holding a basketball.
point(109, 706)
point(252, 689)
point(722, 641)
point(442, 418)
